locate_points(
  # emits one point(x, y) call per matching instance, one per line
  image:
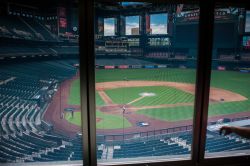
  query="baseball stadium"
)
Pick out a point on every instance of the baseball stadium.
point(146, 57)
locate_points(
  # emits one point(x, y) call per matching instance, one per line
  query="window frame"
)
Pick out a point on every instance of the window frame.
point(126, 25)
point(115, 22)
point(203, 73)
point(157, 13)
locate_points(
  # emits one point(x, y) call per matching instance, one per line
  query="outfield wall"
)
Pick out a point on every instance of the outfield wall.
point(131, 66)
point(219, 66)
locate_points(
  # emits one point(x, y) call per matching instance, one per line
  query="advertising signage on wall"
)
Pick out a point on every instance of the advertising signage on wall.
point(220, 14)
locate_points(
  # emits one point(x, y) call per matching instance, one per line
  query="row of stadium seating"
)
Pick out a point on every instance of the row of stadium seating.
point(177, 144)
point(19, 28)
point(23, 139)
point(8, 51)
point(174, 144)
point(21, 135)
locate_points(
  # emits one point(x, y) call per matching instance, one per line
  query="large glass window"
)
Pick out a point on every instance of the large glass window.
point(109, 26)
point(145, 83)
point(229, 90)
point(132, 25)
point(247, 22)
point(39, 88)
point(158, 23)
point(145, 102)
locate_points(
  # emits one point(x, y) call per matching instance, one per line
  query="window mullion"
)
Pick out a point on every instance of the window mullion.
point(206, 22)
point(87, 80)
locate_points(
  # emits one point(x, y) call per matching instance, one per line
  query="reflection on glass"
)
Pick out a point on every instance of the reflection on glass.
point(144, 85)
point(39, 86)
point(229, 92)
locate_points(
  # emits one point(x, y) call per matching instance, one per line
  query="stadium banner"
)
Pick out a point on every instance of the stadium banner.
point(109, 67)
point(149, 66)
point(123, 67)
point(221, 68)
point(162, 66)
point(136, 66)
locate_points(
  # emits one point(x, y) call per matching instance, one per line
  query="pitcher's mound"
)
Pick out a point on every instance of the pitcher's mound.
point(147, 94)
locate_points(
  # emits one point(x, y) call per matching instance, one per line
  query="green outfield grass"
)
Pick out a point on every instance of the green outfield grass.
point(163, 95)
point(233, 81)
point(186, 112)
point(175, 75)
point(74, 96)
point(107, 121)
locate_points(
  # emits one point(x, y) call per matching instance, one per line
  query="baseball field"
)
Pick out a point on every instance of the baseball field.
point(125, 97)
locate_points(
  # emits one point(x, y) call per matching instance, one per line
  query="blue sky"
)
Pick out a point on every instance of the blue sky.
point(109, 27)
point(158, 23)
point(131, 22)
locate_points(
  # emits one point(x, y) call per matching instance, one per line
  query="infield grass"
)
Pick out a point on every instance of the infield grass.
point(163, 95)
point(229, 80)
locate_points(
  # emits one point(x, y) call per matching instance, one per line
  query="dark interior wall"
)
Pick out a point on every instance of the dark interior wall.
point(74, 17)
point(225, 35)
point(186, 36)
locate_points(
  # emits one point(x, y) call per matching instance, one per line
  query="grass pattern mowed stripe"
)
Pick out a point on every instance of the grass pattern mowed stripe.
point(107, 121)
point(173, 75)
point(229, 80)
point(163, 95)
point(186, 112)
point(169, 114)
